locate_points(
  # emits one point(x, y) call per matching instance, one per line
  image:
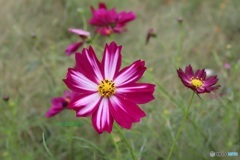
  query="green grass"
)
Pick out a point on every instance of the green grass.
point(33, 63)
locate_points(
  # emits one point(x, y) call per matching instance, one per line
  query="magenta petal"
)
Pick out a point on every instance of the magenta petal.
point(56, 107)
point(85, 104)
point(124, 17)
point(89, 65)
point(125, 112)
point(136, 87)
point(139, 93)
point(212, 88)
point(183, 76)
point(111, 60)
point(103, 18)
point(199, 73)
point(79, 32)
point(210, 81)
point(102, 5)
point(102, 119)
point(131, 73)
point(78, 82)
point(72, 48)
point(138, 98)
point(200, 90)
point(189, 71)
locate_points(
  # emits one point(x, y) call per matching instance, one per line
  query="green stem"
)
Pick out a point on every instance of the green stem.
point(119, 156)
point(126, 141)
point(181, 127)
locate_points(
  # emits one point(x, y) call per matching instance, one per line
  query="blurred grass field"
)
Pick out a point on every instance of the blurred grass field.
point(33, 63)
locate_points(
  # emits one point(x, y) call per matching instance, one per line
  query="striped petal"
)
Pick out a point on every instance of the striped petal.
point(102, 119)
point(125, 112)
point(85, 104)
point(78, 82)
point(89, 65)
point(79, 32)
point(131, 73)
point(111, 60)
point(137, 87)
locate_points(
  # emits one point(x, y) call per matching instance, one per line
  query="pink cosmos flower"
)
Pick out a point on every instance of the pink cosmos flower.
point(198, 81)
point(227, 66)
point(72, 48)
point(105, 92)
point(60, 103)
point(109, 21)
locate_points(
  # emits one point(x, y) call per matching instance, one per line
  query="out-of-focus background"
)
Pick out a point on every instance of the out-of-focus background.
point(203, 33)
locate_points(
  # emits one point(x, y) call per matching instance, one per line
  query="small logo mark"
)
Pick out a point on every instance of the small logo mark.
point(230, 154)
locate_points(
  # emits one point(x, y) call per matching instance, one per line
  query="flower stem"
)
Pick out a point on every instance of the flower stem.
point(126, 141)
point(181, 127)
point(119, 156)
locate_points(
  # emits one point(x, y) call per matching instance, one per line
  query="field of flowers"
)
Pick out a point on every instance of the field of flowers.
point(120, 80)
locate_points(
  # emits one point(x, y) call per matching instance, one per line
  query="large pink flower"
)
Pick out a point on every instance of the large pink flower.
point(105, 92)
point(109, 21)
point(60, 103)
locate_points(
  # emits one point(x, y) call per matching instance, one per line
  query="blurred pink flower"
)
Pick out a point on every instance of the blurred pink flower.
point(106, 92)
point(72, 48)
point(5, 98)
point(227, 66)
point(109, 21)
point(60, 103)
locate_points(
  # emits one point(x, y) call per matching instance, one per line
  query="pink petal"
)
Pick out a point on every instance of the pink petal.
point(210, 81)
point(136, 88)
point(125, 112)
point(139, 93)
point(138, 97)
point(131, 73)
point(183, 76)
point(199, 73)
point(189, 71)
point(101, 118)
point(89, 65)
point(56, 107)
point(111, 60)
point(200, 90)
point(85, 104)
point(72, 48)
point(79, 32)
point(212, 88)
point(103, 17)
point(124, 17)
point(102, 5)
point(78, 82)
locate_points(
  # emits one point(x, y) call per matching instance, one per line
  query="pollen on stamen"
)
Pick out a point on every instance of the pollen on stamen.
point(106, 88)
point(196, 82)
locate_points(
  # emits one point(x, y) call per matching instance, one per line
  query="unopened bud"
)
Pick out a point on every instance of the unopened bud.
point(5, 98)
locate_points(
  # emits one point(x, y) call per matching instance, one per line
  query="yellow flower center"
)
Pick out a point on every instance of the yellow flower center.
point(197, 83)
point(66, 102)
point(67, 99)
point(106, 88)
